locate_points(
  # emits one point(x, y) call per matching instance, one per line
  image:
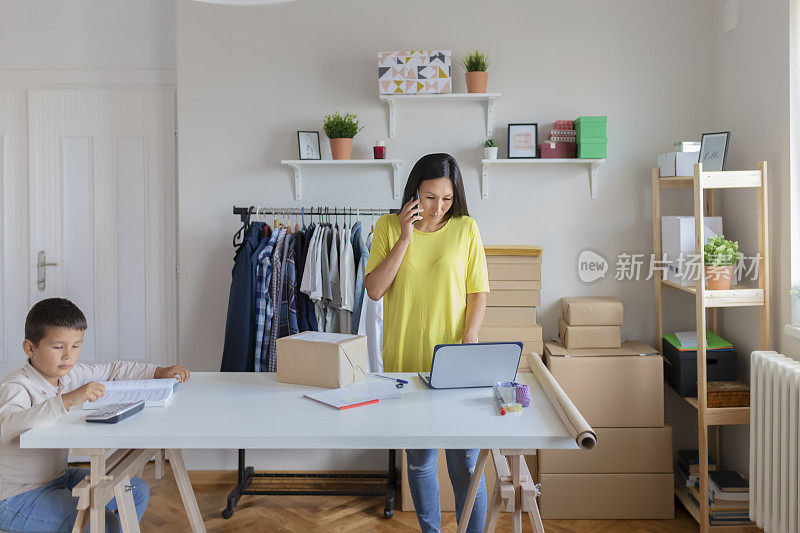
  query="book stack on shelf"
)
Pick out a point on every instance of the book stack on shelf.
point(728, 498)
point(728, 491)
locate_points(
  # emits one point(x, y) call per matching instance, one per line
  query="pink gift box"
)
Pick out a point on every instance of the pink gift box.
point(557, 150)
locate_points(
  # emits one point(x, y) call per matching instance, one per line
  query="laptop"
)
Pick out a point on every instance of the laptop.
point(472, 365)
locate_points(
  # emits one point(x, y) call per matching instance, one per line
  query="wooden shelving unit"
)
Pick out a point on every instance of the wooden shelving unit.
point(707, 304)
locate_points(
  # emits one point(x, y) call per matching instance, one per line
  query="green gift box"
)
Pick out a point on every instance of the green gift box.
point(590, 127)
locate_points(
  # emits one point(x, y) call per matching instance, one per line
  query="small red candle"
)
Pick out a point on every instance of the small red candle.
point(379, 150)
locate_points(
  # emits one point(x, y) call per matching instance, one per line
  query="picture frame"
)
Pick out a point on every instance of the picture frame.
point(714, 150)
point(523, 140)
point(308, 145)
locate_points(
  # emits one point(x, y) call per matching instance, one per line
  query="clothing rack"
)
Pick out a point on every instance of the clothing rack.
point(246, 212)
point(250, 482)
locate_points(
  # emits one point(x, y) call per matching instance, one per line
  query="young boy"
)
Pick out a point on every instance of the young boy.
point(35, 484)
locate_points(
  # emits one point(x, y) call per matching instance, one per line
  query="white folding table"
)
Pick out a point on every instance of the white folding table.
point(249, 410)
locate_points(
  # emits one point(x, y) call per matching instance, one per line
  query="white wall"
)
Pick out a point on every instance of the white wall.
point(249, 78)
point(87, 34)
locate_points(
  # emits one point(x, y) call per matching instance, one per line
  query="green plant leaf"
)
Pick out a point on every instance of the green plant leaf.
point(475, 62)
point(338, 126)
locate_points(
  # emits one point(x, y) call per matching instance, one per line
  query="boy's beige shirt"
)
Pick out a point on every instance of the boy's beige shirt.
point(28, 400)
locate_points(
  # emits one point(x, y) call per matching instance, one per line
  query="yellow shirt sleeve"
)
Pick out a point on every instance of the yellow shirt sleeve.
point(477, 273)
point(380, 247)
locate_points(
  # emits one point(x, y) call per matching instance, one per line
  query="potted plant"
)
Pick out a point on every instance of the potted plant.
point(719, 256)
point(340, 130)
point(476, 63)
point(490, 149)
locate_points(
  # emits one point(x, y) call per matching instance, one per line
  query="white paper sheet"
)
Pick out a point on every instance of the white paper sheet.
point(339, 398)
point(688, 339)
point(372, 387)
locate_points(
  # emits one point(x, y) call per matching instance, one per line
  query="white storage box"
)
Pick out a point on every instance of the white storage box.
point(677, 242)
point(677, 163)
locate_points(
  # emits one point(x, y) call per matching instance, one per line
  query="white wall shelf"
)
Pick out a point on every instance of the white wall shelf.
point(298, 164)
point(392, 99)
point(591, 163)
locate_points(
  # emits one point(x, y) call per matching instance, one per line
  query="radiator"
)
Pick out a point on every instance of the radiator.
point(774, 442)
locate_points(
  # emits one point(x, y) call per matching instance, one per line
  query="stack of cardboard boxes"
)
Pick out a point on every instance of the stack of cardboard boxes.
point(617, 387)
point(515, 283)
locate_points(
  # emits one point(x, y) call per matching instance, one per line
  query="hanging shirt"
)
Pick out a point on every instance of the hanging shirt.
point(300, 298)
point(332, 312)
point(427, 302)
point(237, 351)
point(361, 252)
point(347, 279)
point(289, 322)
point(371, 324)
point(305, 302)
point(323, 277)
point(273, 311)
point(263, 302)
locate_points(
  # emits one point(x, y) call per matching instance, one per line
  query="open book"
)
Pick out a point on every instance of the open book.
point(155, 392)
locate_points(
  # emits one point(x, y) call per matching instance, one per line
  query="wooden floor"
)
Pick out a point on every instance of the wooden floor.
point(310, 514)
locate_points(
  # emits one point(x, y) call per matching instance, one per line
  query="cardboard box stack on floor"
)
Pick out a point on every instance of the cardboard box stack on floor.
point(617, 387)
point(515, 283)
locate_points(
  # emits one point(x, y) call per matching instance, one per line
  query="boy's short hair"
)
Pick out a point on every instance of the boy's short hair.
point(52, 313)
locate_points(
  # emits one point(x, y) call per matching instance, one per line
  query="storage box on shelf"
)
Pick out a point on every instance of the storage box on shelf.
point(707, 301)
point(515, 274)
point(590, 133)
point(680, 364)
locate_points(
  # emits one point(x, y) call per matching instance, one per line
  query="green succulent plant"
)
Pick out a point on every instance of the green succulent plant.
point(475, 61)
point(718, 251)
point(338, 126)
point(490, 143)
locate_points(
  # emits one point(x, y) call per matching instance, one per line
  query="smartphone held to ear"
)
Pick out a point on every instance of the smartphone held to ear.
point(416, 197)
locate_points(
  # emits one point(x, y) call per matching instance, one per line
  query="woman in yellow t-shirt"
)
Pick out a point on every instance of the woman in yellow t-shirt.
point(428, 265)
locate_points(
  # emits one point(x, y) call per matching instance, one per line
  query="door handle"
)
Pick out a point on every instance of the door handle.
point(41, 266)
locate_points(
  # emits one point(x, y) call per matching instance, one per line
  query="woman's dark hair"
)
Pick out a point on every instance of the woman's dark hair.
point(434, 166)
point(52, 313)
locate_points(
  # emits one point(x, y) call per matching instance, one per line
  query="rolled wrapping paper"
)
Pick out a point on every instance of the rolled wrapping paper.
point(580, 430)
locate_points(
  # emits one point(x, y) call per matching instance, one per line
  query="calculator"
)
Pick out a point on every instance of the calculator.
point(113, 413)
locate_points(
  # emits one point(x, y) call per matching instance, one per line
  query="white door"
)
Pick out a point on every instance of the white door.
point(102, 215)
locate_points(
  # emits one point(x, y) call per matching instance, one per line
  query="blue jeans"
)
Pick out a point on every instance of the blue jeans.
point(424, 484)
point(52, 508)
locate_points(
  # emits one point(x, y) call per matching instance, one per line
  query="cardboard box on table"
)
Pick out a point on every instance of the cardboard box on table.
point(446, 497)
point(589, 336)
point(322, 359)
point(611, 387)
point(592, 311)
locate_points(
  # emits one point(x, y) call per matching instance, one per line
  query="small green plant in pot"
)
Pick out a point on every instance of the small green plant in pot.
point(719, 257)
point(490, 149)
point(476, 63)
point(340, 130)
